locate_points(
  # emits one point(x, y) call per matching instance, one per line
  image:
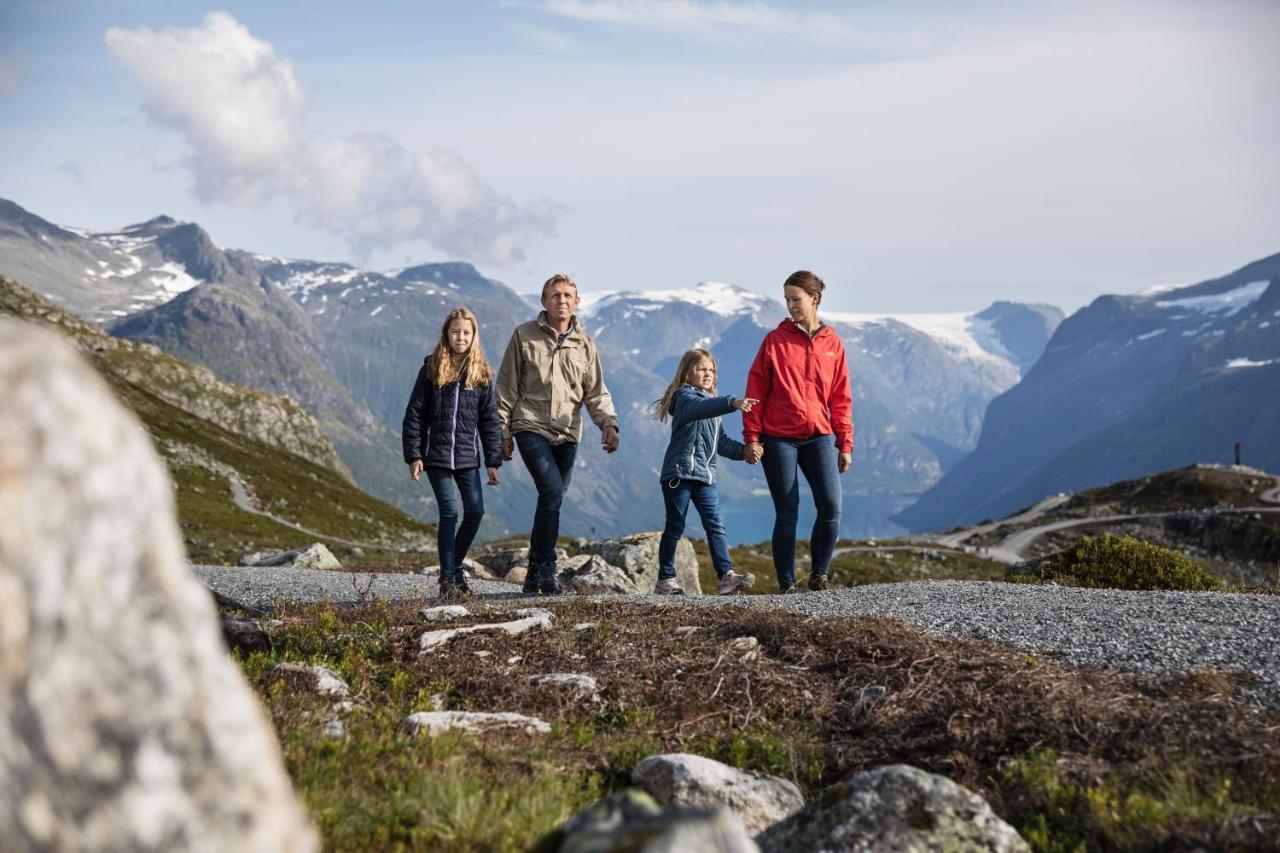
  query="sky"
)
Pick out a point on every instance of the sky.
point(920, 156)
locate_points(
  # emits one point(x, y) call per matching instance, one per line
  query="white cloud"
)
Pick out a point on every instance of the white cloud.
point(702, 19)
point(11, 69)
point(239, 106)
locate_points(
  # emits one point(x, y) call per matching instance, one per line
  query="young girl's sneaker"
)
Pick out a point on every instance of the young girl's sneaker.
point(667, 586)
point(733, 582)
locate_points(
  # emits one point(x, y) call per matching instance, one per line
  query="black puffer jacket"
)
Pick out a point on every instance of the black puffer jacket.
point(447, 427)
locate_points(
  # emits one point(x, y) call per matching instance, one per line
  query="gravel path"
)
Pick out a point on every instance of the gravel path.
point(1150, 632)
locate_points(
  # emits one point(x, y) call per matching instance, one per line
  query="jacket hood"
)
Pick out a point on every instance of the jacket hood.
point(823, 329)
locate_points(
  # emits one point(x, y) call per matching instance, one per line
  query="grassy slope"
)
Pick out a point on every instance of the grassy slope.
point(1069, 756)
point(310, 495)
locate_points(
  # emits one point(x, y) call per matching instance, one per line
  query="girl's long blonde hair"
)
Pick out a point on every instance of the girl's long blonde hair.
point(448, 367)
point(661, 407)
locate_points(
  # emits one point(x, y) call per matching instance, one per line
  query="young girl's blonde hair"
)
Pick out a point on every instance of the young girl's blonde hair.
point(448, 368)
point(661, 407)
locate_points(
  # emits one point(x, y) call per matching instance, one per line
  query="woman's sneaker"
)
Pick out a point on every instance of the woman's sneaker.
point(817, 582)
point(667, 586)
point(733, 582)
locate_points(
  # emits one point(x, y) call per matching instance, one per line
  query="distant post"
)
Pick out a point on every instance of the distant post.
point(1237, 452)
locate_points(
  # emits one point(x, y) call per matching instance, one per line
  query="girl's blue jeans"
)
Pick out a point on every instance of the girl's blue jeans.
point(818, 459)
point(447, 485)
point(677, 494)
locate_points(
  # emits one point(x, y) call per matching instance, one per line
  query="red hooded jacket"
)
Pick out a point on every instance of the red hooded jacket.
point(802, 384)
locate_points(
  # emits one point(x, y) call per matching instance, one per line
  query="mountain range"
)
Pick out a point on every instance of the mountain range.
point(1129, 386)
point(346, 343)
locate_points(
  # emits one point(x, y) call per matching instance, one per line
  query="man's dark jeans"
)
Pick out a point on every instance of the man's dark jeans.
point(707, 500)
point(453, 547)
point(551, 466)
point(818, 459)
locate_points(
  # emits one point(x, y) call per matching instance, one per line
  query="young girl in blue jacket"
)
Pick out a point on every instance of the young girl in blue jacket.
point(451, 422)
point(689, 467)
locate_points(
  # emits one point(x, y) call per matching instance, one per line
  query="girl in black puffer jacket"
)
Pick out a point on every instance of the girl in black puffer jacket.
point(450, 423)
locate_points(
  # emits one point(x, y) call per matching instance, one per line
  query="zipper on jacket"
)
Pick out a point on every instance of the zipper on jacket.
point(453, 432)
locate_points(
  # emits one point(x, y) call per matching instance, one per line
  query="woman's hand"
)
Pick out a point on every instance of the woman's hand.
point(752, 452)
point(415, 470)
point(744, 404)
point(845, 463)
point(493, 476)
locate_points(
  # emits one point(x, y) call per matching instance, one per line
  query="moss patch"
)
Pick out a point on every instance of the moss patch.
point(1115, 562)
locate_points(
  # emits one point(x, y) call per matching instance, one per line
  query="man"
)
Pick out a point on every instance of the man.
point(551, 369)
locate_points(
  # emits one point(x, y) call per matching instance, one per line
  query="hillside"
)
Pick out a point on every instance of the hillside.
point(1127, 387)
point(216, 437)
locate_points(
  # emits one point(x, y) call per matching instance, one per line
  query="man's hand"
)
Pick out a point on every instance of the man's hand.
point(610, 439)
point(508, 448)
point(846, 462)
point(493, 476)
point(753, 452)
point(415, 470)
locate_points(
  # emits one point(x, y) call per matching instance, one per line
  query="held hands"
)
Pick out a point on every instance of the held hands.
point(609, 440)
point(744, 404)
point(415, 470)
point(752, 452)
point(493, 476)
point(845, 463)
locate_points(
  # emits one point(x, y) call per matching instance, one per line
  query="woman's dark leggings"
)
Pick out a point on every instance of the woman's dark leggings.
point(818, 459)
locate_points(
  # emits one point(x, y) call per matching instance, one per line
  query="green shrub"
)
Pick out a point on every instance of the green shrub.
point(1120, 562)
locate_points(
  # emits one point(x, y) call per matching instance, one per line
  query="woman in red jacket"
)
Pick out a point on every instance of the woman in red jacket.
point(804, 420)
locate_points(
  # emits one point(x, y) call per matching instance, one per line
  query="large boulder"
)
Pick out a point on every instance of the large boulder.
point(637, 555)
point(588, 574)
point(503, 560)
point(124, 724)
point(899, 808)
point(631, 822)
point(683, 779)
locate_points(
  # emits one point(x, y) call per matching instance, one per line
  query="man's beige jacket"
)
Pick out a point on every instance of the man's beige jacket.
point(543, 385)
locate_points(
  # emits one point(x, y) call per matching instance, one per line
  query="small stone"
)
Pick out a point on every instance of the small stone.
point(581, 686)
point(482, 653)
point(747, 647)
point(532, 619)
point(475, 722)
point(686, 630)
point(584, 626)
point(516, 575)
point(323, 680)
point(514, 660)
point(684, 779)
point(445, 613)
point(244, 635)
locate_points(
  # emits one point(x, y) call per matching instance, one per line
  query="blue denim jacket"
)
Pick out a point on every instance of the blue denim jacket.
point(697, 436)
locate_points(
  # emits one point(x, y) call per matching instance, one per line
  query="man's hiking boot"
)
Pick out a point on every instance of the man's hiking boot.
point(530, 585)
point(450, 590)
point(818, 582)
point(733, 582)
point(547, 583)
point(460, 581)
point(667, 586)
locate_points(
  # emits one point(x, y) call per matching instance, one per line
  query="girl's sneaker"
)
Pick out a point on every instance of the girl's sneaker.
point(733, 582)
point(818, 582)
point(667, 586)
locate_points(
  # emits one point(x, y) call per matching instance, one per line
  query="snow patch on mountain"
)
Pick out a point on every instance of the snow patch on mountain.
point(963, 334)
point(1233, 301)
point(727, 300)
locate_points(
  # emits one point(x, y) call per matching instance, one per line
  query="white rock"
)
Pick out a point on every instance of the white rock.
point(582, 686)
point(323, 680)
point(683, 779)
point(637, 556)
point(124, 723)
point(589, 574)
point(535, 619)
point(584, 626)
point(446, 613)
point(476, 722)
point(748, 648)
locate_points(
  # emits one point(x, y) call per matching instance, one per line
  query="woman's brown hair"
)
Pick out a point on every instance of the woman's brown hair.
point(447, 366)
point(661, 407)
point(806, 281)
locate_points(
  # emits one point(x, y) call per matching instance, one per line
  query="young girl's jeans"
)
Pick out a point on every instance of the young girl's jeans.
point(818, 459)
point(707, 500)
point(453, 547)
